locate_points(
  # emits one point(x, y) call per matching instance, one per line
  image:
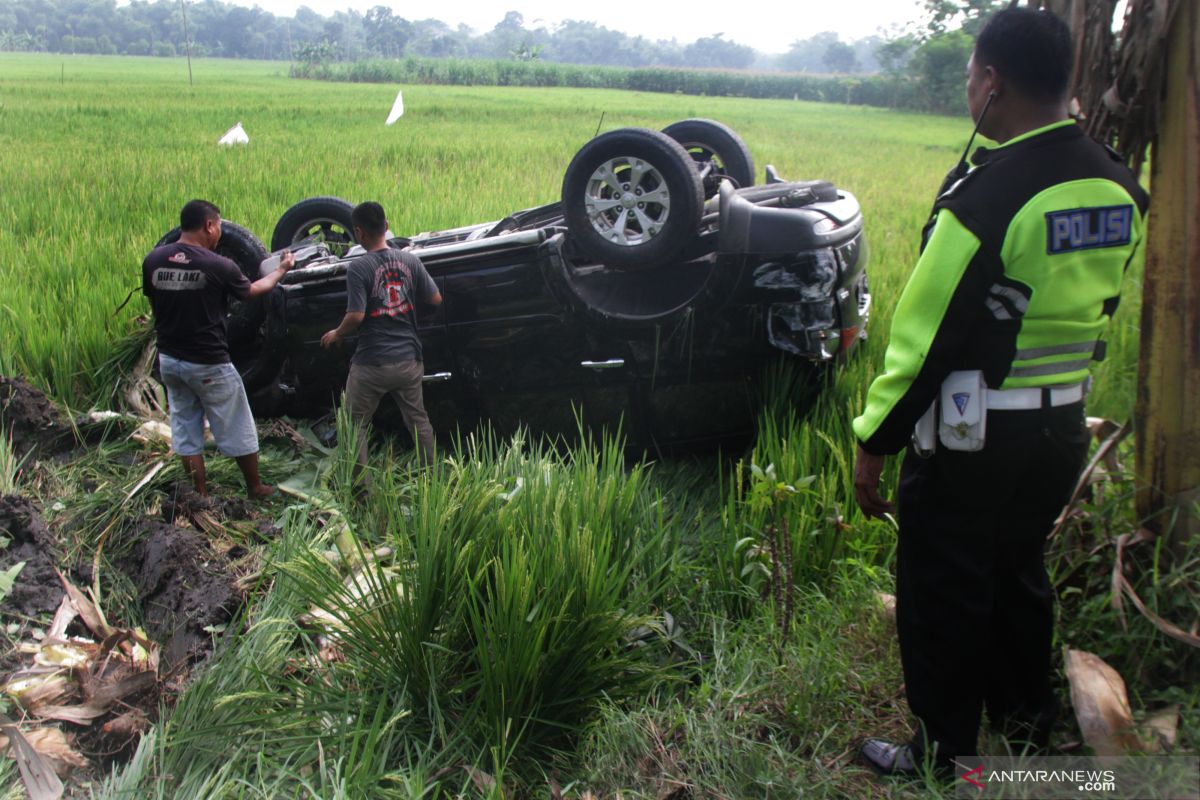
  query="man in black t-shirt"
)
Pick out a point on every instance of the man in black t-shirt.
point(382, 290)
point(189, 286)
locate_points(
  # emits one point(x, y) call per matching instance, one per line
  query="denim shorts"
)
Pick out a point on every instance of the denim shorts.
point(196, 391)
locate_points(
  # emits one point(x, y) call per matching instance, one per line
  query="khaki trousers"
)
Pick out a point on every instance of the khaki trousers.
point(367, 385)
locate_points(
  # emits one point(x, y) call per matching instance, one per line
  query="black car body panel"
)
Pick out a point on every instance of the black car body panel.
point(532, 334)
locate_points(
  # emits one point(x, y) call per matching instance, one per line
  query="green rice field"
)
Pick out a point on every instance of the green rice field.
point(100, 153)
point(568, 625)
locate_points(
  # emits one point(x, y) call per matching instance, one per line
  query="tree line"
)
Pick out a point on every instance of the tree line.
point(221, 29)
point(923, 64)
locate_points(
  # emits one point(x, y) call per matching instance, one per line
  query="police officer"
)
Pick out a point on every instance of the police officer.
point(1019, 272)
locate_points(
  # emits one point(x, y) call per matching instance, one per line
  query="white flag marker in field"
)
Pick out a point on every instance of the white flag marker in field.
point(397, 108)
point(235, 135)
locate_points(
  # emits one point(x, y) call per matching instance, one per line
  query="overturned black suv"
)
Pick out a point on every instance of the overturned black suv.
point(653, 297)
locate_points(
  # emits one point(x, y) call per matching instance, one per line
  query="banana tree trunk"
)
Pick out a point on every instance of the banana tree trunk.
point(1167, 412)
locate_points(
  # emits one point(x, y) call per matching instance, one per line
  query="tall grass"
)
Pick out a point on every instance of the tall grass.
point(521, 590)
point(10, 464)
point(873, 90)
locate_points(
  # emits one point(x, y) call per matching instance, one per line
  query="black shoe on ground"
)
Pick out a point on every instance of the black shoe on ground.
point(888, 758)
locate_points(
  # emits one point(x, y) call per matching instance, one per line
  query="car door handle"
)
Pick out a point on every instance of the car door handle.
point(612, 363)
point(437, 377)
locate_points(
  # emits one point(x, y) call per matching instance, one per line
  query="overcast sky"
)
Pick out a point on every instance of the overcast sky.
point(766, 25)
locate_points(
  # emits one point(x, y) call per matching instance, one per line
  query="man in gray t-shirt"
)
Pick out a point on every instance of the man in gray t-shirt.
point(382, 290)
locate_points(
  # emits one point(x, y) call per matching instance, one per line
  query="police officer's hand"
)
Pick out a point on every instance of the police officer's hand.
point(867, 469)
point(330, 339)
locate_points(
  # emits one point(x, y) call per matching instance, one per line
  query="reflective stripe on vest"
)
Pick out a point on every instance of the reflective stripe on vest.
point(1055, 350)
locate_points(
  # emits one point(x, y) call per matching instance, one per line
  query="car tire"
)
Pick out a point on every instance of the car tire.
point(597, 202)
point(718, 152)
point(327, 218)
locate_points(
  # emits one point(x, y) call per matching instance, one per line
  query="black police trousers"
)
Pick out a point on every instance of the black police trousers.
point(974, 606)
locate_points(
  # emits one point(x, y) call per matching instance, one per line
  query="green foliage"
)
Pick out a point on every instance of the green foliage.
point(8, 577)
point(758, 718)
point(1097, 616)
point(939, 67)
point(812, 54)
point(969, 16)
point(840, 57)
point(923, 75)
point(10, 465)
point(718, 53)
point(317, 53)
point(520, 593)
point(534, 72)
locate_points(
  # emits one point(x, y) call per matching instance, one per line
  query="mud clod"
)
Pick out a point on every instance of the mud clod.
point(183, 502)
point(184, 587)
point(36, 427)
point(37, 589)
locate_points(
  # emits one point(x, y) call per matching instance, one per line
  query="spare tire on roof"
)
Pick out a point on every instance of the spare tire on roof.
point(632, 198)
point(719, 153)
point(326, 218)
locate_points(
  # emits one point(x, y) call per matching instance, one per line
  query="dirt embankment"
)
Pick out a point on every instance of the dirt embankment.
point(183, 561)
point(185, 588)
point(37, 589)
point(37, 428)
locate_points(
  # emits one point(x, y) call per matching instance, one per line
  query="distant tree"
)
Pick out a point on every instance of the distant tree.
point(940, 67)
point(864, 53)
point(236, 30)
point(307, 24)
point(808, 55)
point(965, 15)
point(840, 57)
point(79, 44)
point(576, 42)
point(386, 34)
point(526, 51)
point(716, 51)
point(506, 37)
point(17, 41)
point(894, 53)
point(436, 39)
point(320, 52)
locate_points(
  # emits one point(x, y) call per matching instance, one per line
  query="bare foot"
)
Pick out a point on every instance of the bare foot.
point(260, 491)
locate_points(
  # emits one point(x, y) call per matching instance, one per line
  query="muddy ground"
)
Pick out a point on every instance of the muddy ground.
point(185, 589)
point(37, 589)
point(37, 428)
point(183, 585)
point(182, 563)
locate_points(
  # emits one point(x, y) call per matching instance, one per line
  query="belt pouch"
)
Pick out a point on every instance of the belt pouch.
point(963, 411)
